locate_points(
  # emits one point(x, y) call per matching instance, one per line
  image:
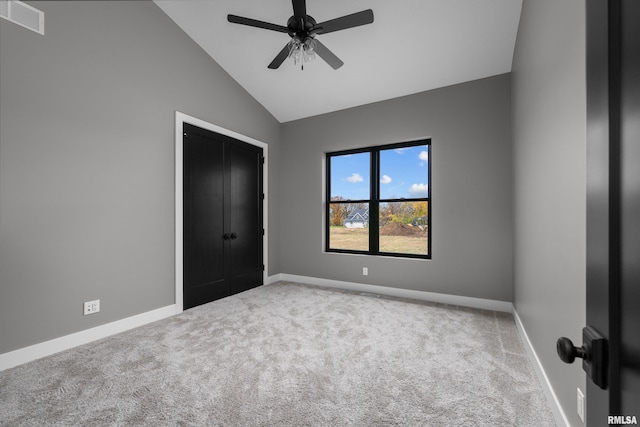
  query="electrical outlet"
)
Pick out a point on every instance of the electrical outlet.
point(580, 404)
point(365, 271)
point(91, 307)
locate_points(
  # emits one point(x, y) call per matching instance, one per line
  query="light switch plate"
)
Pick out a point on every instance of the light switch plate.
point(580, 404)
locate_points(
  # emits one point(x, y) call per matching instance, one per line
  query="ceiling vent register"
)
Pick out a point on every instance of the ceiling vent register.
point(22, 14)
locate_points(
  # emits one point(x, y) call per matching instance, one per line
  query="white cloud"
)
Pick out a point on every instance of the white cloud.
point(385, 179)
point(355, 177)
point(419, 190)
point(424, 156)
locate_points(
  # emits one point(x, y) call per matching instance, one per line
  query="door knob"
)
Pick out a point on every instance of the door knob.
point(234, 236)
point(568, 352)
point(594, 353)
point(226, 236)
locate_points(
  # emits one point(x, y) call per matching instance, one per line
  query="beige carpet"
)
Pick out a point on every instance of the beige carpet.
point(290, 355)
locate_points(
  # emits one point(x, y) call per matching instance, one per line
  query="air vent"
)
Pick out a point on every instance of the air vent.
point(22, 14)
point(4, 9)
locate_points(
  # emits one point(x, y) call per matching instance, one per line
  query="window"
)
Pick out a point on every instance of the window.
point(378, 200)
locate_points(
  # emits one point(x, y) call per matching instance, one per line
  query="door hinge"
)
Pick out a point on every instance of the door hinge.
point(262, 267)
point(263, 231)
point(262, 159)
point(262, 196)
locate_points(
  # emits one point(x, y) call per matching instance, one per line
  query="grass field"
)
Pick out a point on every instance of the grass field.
point(358, 239)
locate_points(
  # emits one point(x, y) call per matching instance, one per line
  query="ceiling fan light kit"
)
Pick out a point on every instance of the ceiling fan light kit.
point(302, 50)
point(303, 29)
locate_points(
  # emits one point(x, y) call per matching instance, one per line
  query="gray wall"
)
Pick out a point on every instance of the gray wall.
point(549, 134)
point(471, 189)
point(87, 161)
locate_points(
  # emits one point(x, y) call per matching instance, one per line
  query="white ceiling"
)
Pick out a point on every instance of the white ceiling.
point(412, 46)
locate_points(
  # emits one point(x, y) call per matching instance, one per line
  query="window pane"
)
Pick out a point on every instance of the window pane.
point(349, 226)
point(404, 172)
point(404, 227)
point(350, 176)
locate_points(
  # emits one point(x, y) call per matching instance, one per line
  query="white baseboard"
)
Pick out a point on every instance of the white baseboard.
point(47, 348)
point(273, 279)
point(554, 403)
point(485, 304)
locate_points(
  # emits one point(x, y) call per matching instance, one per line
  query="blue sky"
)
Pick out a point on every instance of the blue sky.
point(403, 174)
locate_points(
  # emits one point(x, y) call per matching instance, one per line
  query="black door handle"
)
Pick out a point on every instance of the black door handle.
point(226, 236)
point(594, 352)
point(234, 236)
point(568, 352)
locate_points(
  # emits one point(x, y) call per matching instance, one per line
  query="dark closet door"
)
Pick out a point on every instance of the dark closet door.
point(205, 278)
point(245, 219)
point(222, 216)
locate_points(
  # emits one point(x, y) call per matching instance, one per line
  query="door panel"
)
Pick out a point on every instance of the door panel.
point(613, 202)
point(204, 247)
point(630, 208)
point(246, 220)
point(599, 153)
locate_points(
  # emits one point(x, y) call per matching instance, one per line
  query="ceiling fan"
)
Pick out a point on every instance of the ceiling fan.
point(302, 29)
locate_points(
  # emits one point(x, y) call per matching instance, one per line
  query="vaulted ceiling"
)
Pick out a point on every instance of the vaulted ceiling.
point(412, 46)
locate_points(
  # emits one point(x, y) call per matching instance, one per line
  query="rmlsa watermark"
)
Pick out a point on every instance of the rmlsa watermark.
point(622, 420)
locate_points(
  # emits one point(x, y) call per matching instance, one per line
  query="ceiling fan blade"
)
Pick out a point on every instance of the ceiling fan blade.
point(347, 21)
point(300, 10)
point(255, 23)
point(327, 55)
point(279, 59)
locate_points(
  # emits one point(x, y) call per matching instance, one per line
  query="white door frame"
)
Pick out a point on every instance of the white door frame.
point(182, 118)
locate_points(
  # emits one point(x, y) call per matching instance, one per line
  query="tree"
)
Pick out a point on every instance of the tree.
point(338, 212)
point(421, 209)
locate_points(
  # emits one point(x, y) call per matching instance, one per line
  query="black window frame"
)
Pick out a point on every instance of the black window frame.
point(374, 200)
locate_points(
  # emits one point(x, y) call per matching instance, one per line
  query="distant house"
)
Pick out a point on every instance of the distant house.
point(359, 218)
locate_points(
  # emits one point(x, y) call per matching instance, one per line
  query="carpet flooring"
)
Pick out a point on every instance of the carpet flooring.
point(290, 355)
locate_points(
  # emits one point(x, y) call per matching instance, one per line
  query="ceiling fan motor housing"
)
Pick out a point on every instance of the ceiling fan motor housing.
point(301, 29)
